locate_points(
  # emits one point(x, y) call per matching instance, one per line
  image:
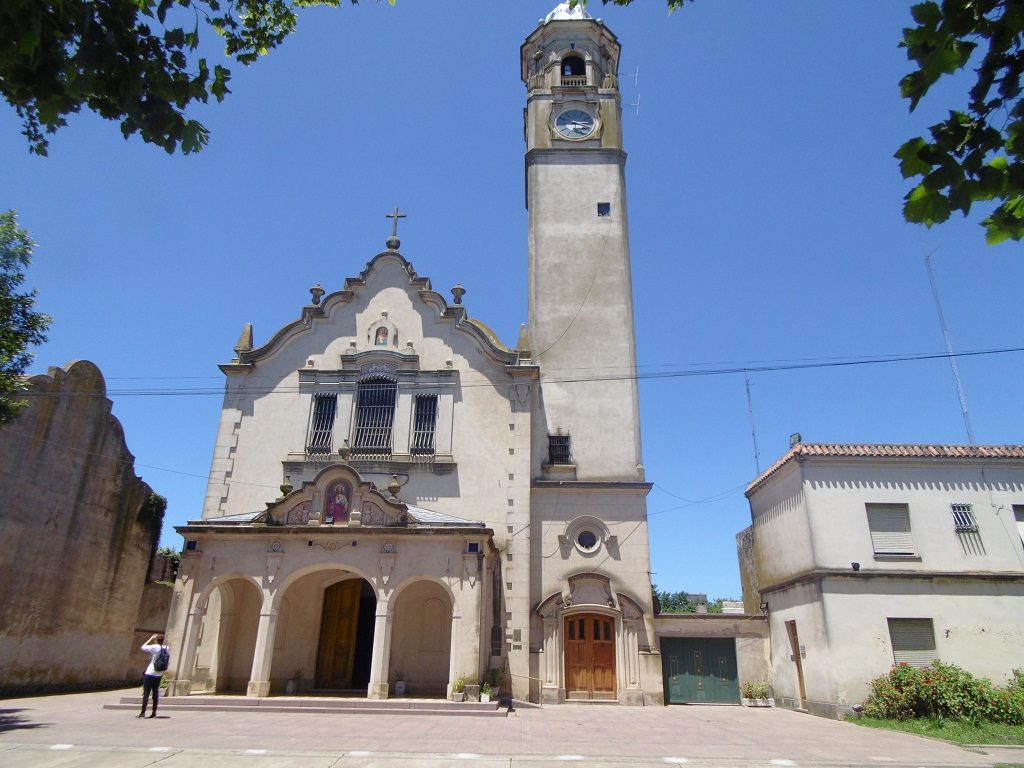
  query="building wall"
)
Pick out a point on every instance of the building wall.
point(77, 539)
point(749, 631)
point(837, 494)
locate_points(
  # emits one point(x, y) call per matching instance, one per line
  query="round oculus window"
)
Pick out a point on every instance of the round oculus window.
point(587, 540)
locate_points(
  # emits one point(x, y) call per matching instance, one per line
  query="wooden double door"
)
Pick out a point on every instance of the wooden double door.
point(346, 636)
point(589, 656)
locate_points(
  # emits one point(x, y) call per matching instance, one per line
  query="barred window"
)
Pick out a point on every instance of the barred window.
point(559, 449)
point(375, 414)
point(424, 423)
point(321, 423)
point(963, 518)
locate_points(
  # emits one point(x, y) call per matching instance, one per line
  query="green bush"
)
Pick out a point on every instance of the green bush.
point(754, 690)
point(944, 691)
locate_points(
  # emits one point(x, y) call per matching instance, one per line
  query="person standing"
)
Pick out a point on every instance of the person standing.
point(160, 656)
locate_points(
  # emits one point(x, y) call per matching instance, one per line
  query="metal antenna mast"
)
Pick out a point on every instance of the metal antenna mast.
point(753, 426)
point(949, 349)
point(636, 84)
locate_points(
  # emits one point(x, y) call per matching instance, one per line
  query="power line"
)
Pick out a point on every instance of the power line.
point(738, 368)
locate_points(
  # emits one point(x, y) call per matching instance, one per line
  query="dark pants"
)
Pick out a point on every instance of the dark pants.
point(150, 684)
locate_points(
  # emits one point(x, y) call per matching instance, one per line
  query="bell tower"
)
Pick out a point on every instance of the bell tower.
point(580, 289)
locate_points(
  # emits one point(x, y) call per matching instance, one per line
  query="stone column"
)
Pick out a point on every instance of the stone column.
point(380, 660)
point(263, 656)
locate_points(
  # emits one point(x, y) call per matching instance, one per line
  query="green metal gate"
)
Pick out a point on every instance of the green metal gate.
point(698, 670)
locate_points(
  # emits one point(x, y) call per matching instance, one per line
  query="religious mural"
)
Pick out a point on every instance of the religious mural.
point(338, 503)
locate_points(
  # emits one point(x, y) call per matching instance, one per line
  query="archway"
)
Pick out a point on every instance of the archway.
point(227, 641)
point(421, 639)
point(345, 648)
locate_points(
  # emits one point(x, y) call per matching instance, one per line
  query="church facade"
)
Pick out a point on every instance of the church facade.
point(399, 501)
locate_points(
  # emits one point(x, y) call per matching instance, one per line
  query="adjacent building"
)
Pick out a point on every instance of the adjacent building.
point(865, 556)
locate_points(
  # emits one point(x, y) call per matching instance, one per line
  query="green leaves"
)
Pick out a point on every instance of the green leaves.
point(975, 155)
point(129, 60)
point(20, 324)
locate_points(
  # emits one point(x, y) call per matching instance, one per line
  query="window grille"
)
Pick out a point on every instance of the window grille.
point(890, 529)
point(321, 424)
point(375, 414)
point(963, 518)
point(559, 449)
point(913, 642)
point(424, 424)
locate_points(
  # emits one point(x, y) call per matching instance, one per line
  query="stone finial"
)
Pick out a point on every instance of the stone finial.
point(394, 487)
point(345, 452)
point(317, 291)
point(245, 340)
point(523, 344)
point(458, 292)
point(286, 486)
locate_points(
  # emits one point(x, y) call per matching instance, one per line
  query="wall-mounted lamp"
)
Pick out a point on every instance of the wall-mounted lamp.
point(764, 607)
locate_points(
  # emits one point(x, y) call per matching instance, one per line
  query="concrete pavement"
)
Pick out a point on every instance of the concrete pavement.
point(74, 730)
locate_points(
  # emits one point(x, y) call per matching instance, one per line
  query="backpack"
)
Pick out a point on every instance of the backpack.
point(162, 660)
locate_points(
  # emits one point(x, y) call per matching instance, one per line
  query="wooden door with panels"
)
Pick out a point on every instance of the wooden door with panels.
point(589, 656)
point(336, 655)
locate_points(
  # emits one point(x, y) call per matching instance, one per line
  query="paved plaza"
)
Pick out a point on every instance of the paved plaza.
point(76, 731)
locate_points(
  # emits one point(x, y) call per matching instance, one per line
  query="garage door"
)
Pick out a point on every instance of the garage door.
point(699, 670)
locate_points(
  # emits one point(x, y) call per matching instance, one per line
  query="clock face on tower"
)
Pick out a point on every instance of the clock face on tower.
point(575, 123)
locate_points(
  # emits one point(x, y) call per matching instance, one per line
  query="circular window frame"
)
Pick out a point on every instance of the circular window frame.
point(579, 527)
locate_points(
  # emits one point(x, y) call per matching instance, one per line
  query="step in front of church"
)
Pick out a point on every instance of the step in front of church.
point(318, 705)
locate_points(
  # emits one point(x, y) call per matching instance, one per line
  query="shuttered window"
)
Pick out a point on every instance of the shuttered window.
point(913, 642)
point(321, 424)
point(375, 414)
point(424, 423)
point(1018, 513)
point(890, 529)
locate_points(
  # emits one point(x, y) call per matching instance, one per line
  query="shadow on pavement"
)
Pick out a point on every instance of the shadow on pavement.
point(10, 720)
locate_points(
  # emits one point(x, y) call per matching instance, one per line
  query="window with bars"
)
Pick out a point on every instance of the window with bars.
point(321, 424)
point(559, 449)
point(375, 415)
point(890, 529)
point(963, 518)
point(424, 425)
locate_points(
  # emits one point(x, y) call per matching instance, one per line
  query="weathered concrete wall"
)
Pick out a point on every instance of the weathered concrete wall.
point(76, 537)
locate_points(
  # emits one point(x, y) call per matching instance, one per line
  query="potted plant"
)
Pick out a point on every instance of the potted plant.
point(458, 689)
point(755, 694)
point(486, 691)
point(399, 684)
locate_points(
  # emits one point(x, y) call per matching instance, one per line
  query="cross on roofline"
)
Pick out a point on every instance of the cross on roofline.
point(394, 216)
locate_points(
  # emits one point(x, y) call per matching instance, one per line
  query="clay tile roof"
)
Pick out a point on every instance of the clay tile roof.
point(858, 451)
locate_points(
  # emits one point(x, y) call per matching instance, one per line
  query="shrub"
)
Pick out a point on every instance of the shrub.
point(754, 690)
point(943, 691)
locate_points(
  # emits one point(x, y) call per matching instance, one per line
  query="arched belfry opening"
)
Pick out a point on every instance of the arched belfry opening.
point(572, 66)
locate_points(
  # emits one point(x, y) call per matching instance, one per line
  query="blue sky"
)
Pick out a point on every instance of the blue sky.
point(765, 225)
